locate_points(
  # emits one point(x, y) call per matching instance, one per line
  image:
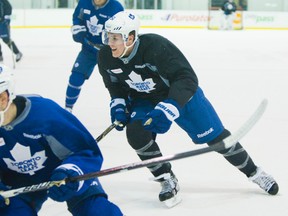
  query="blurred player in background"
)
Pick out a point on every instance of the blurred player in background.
point(88, 21)
point(41, 141)
point(229, 8)
point(5, 35)
point(151, 85)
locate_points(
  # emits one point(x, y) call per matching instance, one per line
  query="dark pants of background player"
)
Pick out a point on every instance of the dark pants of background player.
point(5, 36)
point(200, 121)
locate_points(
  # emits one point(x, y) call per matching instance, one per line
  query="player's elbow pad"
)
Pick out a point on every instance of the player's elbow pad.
point(78, 33)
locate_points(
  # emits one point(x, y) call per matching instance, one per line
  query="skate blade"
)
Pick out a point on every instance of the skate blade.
point(173, 201)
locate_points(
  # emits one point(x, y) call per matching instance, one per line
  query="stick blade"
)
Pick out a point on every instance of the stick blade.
point(247, 126)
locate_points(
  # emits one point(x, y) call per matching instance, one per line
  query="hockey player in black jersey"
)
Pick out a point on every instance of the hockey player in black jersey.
point(151, 85)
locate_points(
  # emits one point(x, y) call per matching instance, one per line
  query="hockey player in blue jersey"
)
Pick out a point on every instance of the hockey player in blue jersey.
point(152, 85)
point(88, 21)
point(40, 141)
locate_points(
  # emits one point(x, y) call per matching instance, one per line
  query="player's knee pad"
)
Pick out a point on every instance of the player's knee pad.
point(137, 136)
point(222, 136)
point(6, 40)
point(76, 79)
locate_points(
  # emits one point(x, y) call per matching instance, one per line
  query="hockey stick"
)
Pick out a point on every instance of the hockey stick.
point(11, 46)
point(224, 144)
point(105, 132)
point(13, 57)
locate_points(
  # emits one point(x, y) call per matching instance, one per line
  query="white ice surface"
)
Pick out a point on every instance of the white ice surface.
point(236, 69)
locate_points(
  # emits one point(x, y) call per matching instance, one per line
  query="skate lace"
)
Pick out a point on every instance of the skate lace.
point(168, 183)
point(167, 186)
point(264, 181)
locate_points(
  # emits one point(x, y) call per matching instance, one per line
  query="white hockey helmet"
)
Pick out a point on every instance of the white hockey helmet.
point(7, 81)
point(6, 84)
point(123, 23)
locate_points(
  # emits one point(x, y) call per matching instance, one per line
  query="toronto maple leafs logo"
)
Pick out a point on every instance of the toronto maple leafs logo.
point(23, 161)
point(93, 26)
point(140, 85)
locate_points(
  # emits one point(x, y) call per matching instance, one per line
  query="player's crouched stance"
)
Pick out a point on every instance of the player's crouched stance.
point(151, 85)
point(40, 141)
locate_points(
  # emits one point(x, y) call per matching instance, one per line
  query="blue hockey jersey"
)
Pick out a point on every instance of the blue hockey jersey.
point(93, 18)
point(42, 137)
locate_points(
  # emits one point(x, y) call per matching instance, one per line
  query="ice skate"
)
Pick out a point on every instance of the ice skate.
point(170, 188)
point(19, 56)
point(265, 181)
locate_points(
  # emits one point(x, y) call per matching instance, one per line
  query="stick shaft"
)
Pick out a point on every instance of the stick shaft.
point(224, 144)
point(105, 132)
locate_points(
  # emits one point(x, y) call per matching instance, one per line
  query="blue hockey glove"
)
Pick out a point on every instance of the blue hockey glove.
point(68, 190)
point(3, 202)
point(159, 120)
point(78, 33)
point(118, 112)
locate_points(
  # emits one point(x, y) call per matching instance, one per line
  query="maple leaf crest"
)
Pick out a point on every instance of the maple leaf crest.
point(93, 26)
point(136, 82)
point(23, 161)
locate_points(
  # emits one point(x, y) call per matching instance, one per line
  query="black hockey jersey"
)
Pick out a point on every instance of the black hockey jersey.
point(155, 70)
